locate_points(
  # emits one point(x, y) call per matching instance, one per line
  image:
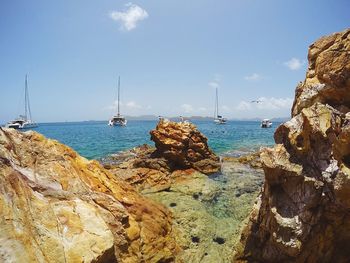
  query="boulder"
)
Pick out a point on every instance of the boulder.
point(56, 206)
point(184, 146)
point(302, 214)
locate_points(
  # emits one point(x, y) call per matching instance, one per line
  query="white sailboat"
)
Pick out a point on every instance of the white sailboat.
point(218, 119)
point(118, 120)
point(24, 121)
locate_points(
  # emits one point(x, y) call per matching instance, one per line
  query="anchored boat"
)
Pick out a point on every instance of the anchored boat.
point(118, 120)
point(266, 123)
point(218, 119)
point(24, 121)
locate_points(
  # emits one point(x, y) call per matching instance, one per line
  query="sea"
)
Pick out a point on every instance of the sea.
point(95, 139)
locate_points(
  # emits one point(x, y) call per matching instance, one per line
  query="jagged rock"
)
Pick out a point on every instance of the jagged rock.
point(303, 214)
point(179, 146)
point(184, 146)
point(56, 206)
point(207, 210)
point(328, 76)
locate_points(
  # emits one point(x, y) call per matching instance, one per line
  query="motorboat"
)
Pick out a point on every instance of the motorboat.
point(266, 123)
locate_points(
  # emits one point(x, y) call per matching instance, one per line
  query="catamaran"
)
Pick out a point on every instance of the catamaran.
point(24, 121)
point(118, 120)
point(218, 119)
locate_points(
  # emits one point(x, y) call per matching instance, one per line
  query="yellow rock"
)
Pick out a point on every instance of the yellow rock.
point(56, 206)
point(303, 212)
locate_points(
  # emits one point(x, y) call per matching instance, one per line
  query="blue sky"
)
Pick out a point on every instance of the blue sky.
point(170, 55)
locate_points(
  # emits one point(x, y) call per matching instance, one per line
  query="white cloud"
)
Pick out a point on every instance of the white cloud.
point(130, 17)
point(202, 109)
point(226, 108)
point(187, 108)
point(253, 77)
point(113, 106)
point(243, 106)
point(133, 105)
point(214, 84)
point(294, 63)
point(266, 104)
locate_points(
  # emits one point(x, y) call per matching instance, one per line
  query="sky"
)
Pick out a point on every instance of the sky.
point(171, 55)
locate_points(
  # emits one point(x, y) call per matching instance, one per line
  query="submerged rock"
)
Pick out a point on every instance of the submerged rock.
point(207, 214)
point(303, 211)
point(56, 206)
point(207, 210)
point(184, 146)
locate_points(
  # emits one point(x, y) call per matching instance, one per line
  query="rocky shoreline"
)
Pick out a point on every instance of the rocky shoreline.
point(207, 210)
point(142, 206)
point(179, 202)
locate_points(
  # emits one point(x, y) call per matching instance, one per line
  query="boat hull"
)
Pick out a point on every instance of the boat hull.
point(266, 125)
point(21, 126)
point(118, 123)
point(220, 121)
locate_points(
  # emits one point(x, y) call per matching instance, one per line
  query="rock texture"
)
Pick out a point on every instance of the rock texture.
point(207, 210)
point(303, 214)
point(56, 206)
point(328, 77)
point(184, 146)
point(179, 146)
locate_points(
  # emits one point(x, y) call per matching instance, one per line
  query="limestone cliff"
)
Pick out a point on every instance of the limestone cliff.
point(56, 206)
point(303, 213)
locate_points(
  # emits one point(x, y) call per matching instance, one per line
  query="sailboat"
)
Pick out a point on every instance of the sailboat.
point(218, 119)
point(118, 120)
point(24, 121)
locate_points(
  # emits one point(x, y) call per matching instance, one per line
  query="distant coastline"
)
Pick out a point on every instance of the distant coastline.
point(155, 118)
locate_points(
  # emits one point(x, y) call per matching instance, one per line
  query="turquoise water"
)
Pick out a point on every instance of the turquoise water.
point(96, 139)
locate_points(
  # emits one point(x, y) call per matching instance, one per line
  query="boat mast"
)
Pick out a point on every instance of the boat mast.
point(25, 97)
point(118, 95)
point(217, 103)
point(27, 106)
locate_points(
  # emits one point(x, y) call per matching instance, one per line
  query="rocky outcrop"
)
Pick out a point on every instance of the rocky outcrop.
point(328, 77)
point(207, 210)
point(303, 213)
point(184, 146)
point(56, 206)
point(179, 147)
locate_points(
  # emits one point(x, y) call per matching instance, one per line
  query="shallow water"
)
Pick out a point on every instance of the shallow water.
point(209, 211)
point(96, 139)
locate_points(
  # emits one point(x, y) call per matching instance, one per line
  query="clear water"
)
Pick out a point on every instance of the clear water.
point(97, 139)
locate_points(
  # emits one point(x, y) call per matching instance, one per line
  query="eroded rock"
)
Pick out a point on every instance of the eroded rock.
point(56, 206)
point(184, 146)
point(327, 78)
point(303, 211)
